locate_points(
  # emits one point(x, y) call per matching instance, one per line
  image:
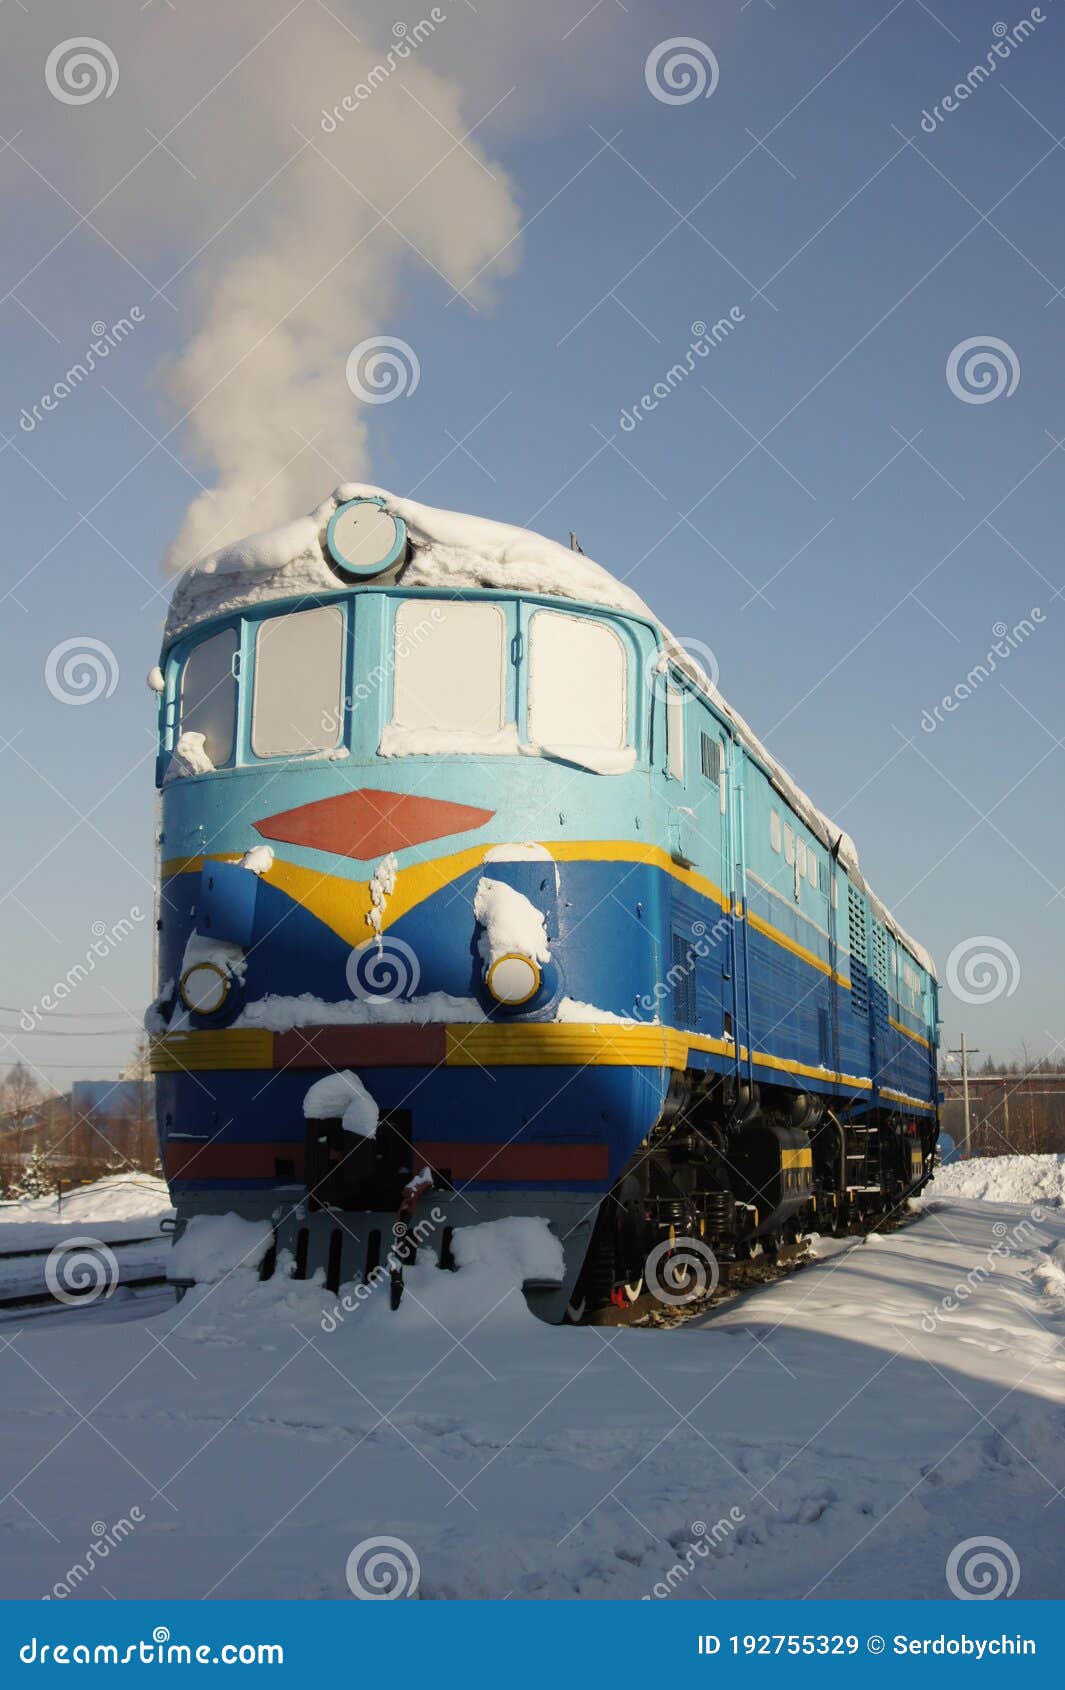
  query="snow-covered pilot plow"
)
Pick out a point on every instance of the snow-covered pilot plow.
point(478, 901)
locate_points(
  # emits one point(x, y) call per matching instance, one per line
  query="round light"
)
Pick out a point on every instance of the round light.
point(513, 979)
point(363, 538)
point(204, 988)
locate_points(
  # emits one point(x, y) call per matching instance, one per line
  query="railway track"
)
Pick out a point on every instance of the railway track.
point(32, 1294)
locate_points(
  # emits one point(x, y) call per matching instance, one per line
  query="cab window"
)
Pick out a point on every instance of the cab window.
point(450, 668)
point(209, 694)
point(576, 684)
point(299, 671)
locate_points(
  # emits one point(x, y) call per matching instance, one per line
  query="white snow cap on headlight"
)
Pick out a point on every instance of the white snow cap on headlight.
point(512, 942)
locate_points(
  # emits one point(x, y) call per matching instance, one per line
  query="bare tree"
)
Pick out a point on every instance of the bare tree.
point(21, 1097)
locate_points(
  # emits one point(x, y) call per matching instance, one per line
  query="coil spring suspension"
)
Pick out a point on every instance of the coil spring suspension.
point(718, 1209)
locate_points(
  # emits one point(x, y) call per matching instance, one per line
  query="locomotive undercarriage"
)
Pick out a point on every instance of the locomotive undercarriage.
point(734, 1170)
point(731, 1171)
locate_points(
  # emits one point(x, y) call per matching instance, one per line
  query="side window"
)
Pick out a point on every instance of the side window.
point(209, 695)
point(450, 668)
point(674, 731)
point(789, 844)
point(577, 690)
point(776, 836)
point(812, 873)
point(299, 672)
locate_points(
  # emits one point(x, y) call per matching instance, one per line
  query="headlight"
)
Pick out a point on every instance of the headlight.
point(513, 979)
point(204, 988)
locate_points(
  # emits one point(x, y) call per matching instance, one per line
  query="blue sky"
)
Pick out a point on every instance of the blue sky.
point(815, 502)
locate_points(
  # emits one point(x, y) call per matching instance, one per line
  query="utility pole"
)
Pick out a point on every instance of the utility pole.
point(965, 1052)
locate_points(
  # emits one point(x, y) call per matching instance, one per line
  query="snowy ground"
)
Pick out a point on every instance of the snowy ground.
point(837, 1434)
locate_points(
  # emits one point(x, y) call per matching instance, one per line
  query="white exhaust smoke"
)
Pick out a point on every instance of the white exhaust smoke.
point(278, 170)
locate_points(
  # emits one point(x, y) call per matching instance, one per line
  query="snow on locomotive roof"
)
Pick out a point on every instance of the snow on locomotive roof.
point(449, 549)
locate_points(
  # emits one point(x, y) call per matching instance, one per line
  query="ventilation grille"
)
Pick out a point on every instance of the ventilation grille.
point(858, 950)
point(710, 757)
point(682, 980)
point(880, 955)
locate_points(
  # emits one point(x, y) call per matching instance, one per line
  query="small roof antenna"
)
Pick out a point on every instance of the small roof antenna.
point(574, 543)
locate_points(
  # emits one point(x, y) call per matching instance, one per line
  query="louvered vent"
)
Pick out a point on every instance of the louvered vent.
point(710, 756)
point(858, 943)
point(682, 979)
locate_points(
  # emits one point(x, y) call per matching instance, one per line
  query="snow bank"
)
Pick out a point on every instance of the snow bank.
point(518, 1249)
point(494, 1260)
point(122, 1206)
point(214, 1246)
point(452, 551)
point(1004, 1179)
point(343, 1097)
point(509, 923)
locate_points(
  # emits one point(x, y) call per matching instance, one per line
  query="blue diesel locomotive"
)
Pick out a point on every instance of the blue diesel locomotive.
point(471, 881)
